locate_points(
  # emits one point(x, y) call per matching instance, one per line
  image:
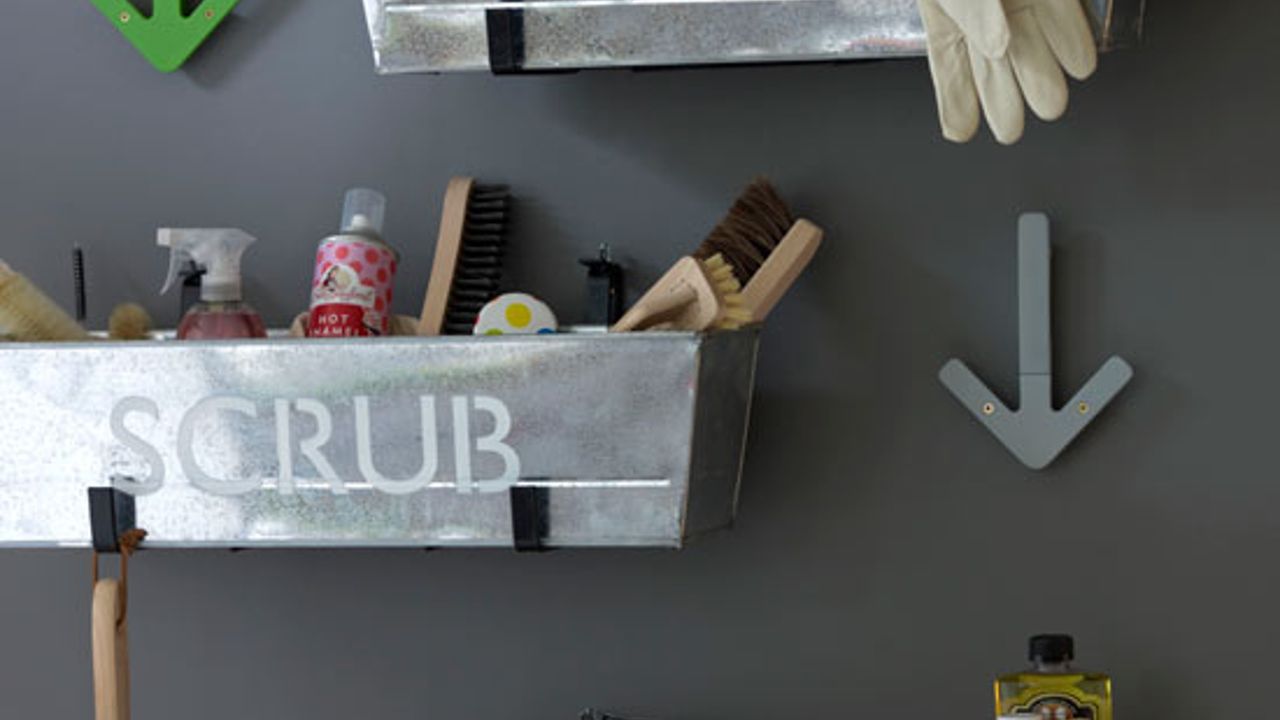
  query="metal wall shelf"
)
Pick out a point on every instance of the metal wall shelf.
point(454, 35)
point(634, 439)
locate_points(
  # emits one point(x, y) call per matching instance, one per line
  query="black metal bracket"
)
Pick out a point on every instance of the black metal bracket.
point(529, 518)
point(604, 289)
point(111, 514)
point(505, 28)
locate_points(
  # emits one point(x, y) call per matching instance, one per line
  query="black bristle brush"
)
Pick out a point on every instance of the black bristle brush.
point(467, 269)
point(77, 277)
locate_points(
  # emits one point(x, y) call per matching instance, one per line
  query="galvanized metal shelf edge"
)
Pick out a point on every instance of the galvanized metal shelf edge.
point(411, 36)
point(636, 439)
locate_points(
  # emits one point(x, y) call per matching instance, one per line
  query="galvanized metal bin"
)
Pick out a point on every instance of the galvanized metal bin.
point(637, 438)
point(454, 35)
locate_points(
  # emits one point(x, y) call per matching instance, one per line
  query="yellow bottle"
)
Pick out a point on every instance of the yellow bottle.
point(1051, 689)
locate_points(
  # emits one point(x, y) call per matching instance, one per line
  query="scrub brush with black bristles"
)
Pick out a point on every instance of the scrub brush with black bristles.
point(694, 295)
point(468, 262)
point(765, 244)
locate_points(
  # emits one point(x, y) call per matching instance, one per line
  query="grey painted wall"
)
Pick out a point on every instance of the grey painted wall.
point(889, 557)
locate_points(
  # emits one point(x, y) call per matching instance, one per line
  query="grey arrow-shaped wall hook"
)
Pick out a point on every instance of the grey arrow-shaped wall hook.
point(1035, 433)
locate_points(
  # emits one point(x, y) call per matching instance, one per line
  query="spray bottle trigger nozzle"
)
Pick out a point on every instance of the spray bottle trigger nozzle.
point(216, 251)
point(164, 238)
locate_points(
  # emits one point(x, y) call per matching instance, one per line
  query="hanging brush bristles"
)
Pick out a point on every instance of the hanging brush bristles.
point(28, 315)
point(766, 245)
point(749, 232)
point(694, 295)
point(467, 269)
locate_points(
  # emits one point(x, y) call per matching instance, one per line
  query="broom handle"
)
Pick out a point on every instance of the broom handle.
point(110, 652)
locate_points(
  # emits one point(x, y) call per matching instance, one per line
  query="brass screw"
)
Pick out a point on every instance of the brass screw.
point(988, 408)
point(1083, 408)
point(208, 14)
point(124, 17)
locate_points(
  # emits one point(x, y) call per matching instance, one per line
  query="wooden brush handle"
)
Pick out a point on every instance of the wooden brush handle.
point(781, 269)
point(652, 310)
point(110, 652)
point(453, 220)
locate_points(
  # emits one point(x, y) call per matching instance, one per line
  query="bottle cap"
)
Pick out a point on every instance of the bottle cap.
point(1051, 649)
point(363, 211)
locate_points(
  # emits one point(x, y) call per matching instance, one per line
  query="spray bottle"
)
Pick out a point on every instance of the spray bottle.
point(221, 312)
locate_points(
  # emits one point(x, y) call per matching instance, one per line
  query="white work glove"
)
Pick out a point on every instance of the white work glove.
point(999, 51)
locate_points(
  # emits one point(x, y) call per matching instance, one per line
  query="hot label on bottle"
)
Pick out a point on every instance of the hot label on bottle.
point(351, 288)
point(1057, 707)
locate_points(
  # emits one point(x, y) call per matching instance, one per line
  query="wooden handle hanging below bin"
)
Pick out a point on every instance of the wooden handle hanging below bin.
point(110, 652)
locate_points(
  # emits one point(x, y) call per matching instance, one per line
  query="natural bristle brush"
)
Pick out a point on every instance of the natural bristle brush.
point(767, 247)
point(27, 314)
point(758, 244)
point(694, 295)
point(129, 321)
point(468, 260)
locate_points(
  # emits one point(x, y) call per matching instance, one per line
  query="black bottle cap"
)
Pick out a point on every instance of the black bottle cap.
point(1051, 649)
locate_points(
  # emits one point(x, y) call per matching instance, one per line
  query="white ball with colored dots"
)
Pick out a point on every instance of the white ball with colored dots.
point(515, 314)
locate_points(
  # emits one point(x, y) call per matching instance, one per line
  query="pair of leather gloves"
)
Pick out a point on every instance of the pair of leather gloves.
point(994, 53)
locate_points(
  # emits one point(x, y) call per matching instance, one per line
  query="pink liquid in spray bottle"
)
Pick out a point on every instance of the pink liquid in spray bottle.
point(209, 321)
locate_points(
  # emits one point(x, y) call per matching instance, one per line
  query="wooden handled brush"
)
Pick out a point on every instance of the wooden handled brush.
point(758, 244)
point(693, 295)
point(28, 315)
point(110, 652)
point(766, 246)
point(468, 260)
point(781, 269)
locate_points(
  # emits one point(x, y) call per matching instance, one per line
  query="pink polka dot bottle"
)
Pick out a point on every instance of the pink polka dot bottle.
point(351, 287)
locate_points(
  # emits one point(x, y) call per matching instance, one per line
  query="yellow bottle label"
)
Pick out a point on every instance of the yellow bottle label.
point(1055, 697)
point(1057, 706)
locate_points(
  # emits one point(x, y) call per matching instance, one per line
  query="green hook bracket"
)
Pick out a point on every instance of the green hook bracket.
point(167, 38)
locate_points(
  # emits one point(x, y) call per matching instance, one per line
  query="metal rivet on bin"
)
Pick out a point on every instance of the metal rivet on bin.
point(124, 17)
point(988, 408)
point(1083, 408)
